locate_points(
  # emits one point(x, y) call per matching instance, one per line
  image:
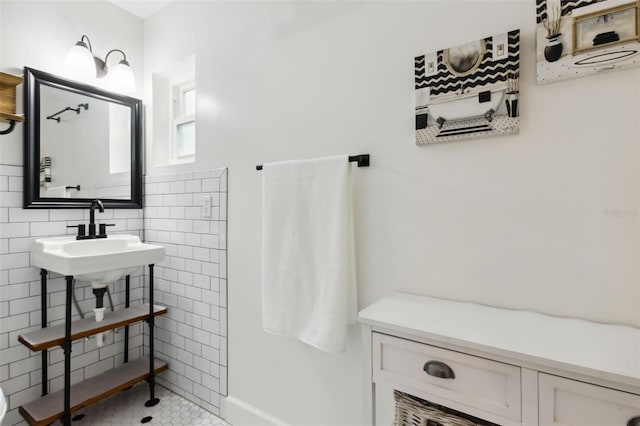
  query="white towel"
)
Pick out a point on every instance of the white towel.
point(309, 286)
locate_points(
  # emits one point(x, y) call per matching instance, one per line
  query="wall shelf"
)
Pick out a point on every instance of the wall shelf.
point(6, 118)
point(49, 408)
point(8, 83)
point(46, 338)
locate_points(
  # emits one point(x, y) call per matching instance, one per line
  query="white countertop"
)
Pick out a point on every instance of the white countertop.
point(605, 351)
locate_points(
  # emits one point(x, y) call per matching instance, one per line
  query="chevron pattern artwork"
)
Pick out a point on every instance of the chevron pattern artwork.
point(588, 37)
point(566, 6)
point(453, 105)
point(488, 72)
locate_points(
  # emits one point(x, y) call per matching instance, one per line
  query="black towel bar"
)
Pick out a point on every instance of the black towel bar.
point(55, 117)
point(362, 160)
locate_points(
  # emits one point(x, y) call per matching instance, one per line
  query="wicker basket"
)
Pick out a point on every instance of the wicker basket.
point(412, 411)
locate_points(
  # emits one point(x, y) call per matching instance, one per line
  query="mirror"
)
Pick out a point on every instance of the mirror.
point(81, 143)
point(464, 59)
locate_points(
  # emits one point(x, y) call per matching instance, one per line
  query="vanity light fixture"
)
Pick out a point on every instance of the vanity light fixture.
point(82, 63)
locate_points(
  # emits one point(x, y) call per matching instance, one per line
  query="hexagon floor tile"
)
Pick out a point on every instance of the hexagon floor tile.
point(127, 409)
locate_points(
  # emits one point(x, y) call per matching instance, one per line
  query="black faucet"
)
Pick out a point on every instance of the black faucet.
point(92, 216)
point(95, 204)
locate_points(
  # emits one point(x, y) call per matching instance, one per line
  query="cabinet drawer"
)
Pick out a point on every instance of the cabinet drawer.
point(571, 403)
point(487, 385)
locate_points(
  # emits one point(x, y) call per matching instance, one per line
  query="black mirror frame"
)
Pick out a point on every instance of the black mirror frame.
point(32, 199)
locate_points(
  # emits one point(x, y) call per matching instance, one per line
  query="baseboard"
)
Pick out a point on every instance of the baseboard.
point(237, 412)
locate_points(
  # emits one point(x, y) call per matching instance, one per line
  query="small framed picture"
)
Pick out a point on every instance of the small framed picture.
point(591, 32)
point(468, 91)
point(579, 38)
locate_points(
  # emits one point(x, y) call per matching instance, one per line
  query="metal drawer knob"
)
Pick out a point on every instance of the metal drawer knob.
point(634, 421)
point(443, 371)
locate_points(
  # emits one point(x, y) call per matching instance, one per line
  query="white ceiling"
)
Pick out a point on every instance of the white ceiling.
point(142, 8)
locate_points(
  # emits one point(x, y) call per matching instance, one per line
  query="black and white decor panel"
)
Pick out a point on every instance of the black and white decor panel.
point(578, 38)
point(468, 91)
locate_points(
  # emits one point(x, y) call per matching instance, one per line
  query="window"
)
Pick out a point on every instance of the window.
point(171, 137)
point(183, 96)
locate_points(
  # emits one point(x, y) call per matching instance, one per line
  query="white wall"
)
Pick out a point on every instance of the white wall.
point(544, 220)
point(38, 34)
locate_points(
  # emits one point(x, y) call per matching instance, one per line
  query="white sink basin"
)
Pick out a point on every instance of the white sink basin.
point(104, 259)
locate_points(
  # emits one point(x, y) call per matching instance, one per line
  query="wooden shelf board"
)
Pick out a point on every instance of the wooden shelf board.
point(10, 79)
point(6, 117)
point(53, 336)
point(49, 408)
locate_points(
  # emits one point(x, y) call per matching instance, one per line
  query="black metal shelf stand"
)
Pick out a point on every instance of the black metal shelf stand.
point(152, 371)
point(66, 346)
point(66, 416)
point(43, 313)
point(127, 297)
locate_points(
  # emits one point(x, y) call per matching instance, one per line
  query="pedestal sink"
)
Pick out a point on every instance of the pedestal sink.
point(101, 261)
point(104, 259)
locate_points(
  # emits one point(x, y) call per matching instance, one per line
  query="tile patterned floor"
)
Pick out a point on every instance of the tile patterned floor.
point(127, 409)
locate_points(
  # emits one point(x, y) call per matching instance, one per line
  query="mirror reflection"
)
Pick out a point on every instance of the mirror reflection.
point(464, 59)
point(85, 146)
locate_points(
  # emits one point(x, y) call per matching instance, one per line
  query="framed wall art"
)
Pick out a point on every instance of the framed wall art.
point(468, 91)
point(583, 37)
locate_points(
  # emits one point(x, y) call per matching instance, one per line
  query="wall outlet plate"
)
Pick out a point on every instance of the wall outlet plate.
point(206, 206)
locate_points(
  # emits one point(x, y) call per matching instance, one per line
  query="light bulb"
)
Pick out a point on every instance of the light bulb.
point(121, 78)
point(79, 62)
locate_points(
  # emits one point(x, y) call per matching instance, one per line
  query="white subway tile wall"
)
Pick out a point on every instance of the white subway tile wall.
point(191, 282)
point(20, 296)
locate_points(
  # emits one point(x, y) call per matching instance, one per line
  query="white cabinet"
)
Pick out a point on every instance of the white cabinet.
point(507, 367)
point(450, 378)
point(565, 402)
